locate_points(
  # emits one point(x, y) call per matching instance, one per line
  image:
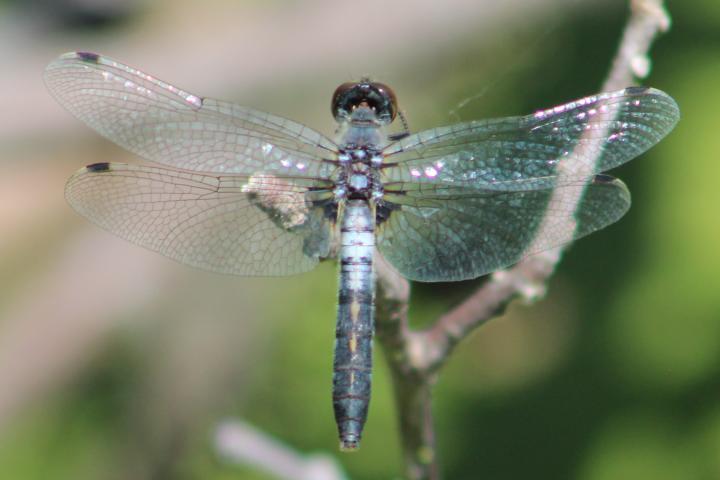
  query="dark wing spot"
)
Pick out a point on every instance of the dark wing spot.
point(99, 167)
point(636, 90)
point(602, 179)
point(398, 136)
point(89, 57)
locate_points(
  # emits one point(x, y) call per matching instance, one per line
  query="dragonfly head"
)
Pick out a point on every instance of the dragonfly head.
point(364, 102)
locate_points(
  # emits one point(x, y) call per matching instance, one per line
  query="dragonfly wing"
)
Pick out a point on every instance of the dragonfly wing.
point(433, 234)
point(167, 125)
point(593, 134)
point(261, 225)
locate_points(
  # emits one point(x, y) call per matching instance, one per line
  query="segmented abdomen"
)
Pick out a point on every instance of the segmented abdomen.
point(355, 323)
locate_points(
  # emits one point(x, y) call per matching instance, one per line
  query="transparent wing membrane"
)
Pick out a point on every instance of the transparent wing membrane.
point(251, 193)
point(165, 124)
point(459, 233)
point(258, 225)
point(593, 134)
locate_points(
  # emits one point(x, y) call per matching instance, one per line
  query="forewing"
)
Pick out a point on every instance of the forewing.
point(592, 135)
point(261, 225)
point(433, 234)
point(165, 124)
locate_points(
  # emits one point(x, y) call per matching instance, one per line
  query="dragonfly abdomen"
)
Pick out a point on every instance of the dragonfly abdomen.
point(355, 323)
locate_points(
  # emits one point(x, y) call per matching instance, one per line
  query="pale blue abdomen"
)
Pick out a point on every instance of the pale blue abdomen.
point(355, 322)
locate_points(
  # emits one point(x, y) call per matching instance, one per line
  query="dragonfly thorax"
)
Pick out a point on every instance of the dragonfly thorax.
point(361, 138)
point(359, 173)
point(359, 182)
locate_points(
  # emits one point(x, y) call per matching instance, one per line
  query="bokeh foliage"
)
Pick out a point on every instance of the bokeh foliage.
point(615, 374)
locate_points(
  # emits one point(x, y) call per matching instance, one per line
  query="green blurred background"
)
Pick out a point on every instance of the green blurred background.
point(116, 363)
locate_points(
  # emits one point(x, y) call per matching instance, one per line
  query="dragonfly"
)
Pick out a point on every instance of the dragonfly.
point(235, 190)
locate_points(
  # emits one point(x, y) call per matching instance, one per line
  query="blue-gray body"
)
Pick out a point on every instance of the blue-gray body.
point(355, 323)
point(359, 190)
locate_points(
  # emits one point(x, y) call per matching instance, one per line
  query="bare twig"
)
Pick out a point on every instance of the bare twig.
point(415, 357)
point(239, 442)
point(412, 385)
point(648, 18)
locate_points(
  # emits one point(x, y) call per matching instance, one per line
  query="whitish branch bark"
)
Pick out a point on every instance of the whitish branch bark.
point(414, 357)
point(241, 443)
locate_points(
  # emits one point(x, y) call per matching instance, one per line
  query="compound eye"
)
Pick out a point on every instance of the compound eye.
point(340, 98)
point(389, 100)
point(351, 95)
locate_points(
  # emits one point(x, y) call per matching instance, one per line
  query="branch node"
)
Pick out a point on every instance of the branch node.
point(652, 9)
point(640, 65)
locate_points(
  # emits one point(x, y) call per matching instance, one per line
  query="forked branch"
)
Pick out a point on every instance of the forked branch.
point(414, 357)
